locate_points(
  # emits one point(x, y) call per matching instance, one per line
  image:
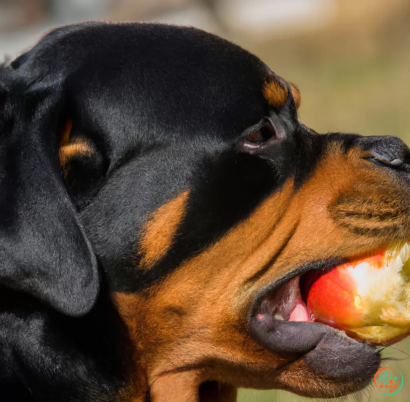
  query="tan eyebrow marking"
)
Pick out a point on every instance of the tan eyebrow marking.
point(296, 94)
point(160, 230)
point(276, 92)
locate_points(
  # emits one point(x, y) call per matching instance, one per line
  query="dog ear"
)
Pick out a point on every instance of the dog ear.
point(43, 249)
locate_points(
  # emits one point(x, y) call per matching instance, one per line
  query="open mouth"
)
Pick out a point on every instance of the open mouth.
point(287, 303)
point(329, 311)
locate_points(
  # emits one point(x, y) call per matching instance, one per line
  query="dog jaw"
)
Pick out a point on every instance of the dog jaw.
point(196, 318)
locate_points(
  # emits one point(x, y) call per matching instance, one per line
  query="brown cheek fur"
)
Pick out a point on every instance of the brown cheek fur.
point(160, 230)
point(192, 326)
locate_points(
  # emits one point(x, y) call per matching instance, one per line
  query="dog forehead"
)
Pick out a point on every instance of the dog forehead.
point(171, 73)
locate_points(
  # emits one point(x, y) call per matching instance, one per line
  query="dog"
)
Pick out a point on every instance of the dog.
point(157, 189)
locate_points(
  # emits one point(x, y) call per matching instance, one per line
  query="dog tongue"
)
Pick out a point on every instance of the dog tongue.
point(300, 312)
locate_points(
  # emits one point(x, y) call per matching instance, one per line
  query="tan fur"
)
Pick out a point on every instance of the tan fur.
point(160, 230)
point(65, 135)
point(296, 95)
point(71, 147)
point(181, 387)
point(70, 150)
point(276, 92)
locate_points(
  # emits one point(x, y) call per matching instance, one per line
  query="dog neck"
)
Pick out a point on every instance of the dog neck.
point(151, 378)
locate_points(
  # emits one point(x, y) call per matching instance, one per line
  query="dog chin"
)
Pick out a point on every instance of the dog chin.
point(325, 353)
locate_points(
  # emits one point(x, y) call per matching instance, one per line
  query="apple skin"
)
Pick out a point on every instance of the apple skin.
point(333, 300)
point(369, 298)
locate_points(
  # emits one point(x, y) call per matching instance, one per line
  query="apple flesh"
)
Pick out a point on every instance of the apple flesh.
point(368, 298)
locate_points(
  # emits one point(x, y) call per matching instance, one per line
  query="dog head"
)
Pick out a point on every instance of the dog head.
point(184, 165)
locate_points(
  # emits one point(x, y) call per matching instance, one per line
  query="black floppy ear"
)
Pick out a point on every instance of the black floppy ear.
point(43, 248)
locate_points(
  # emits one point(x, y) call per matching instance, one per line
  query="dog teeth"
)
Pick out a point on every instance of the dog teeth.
point(281, 304)
point(278, 316)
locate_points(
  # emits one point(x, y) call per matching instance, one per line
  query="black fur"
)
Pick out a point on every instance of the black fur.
point(165, 109)
point(43, 247)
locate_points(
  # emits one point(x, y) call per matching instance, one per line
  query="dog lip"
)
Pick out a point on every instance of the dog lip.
point(282, 316)
point(275, 286)
point(324, 349)
point(262, 320)
point(284, 336)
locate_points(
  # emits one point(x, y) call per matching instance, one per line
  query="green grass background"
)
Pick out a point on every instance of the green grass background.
point(354, 76)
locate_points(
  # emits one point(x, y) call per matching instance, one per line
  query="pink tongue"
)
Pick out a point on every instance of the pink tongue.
point(300, 313)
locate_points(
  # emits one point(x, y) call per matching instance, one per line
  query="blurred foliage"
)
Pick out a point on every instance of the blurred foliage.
point(353, 76)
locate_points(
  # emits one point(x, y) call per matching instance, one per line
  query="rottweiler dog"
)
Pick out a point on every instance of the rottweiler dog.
point(157, 191)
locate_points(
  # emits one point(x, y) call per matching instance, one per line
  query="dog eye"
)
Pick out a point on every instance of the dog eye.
point(261, 137)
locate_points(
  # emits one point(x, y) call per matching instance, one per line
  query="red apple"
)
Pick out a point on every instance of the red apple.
point(333, 300)
point(369, 298)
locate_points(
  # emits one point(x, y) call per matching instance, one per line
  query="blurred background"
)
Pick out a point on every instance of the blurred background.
point(350, 59)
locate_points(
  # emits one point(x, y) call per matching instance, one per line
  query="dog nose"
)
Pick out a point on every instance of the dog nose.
point(388, 151)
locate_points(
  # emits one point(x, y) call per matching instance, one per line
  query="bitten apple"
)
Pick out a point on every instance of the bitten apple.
point(368, 298)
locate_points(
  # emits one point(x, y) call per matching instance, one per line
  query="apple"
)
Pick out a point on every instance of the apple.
point(369, 298)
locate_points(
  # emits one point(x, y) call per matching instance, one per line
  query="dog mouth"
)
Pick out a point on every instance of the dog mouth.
point(287, 303)
point(331, 318)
